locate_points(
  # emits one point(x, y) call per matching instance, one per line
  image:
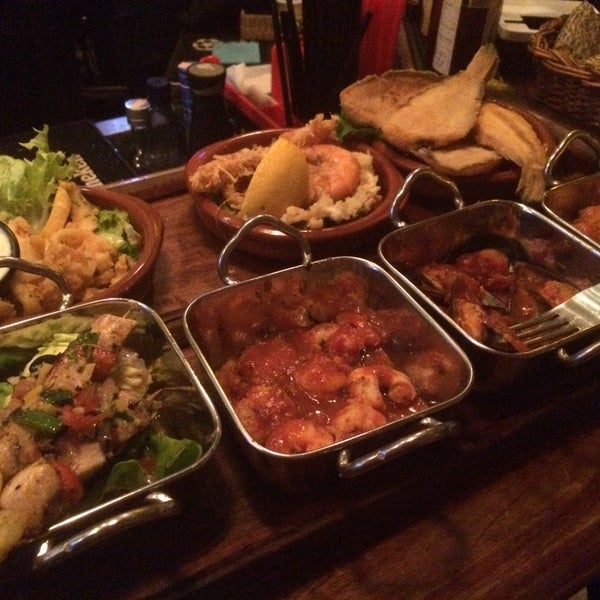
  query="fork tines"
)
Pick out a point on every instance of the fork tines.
point(545, 329)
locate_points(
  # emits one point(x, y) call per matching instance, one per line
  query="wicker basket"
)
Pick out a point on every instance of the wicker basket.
point(256, 27)
point(562, 84)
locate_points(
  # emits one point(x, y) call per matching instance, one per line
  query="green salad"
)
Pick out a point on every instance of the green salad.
point(28, 188)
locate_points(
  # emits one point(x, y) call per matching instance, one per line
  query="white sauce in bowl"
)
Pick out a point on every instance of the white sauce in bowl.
point(6, 248)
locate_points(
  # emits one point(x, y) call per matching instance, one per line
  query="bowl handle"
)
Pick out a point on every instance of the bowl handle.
point(158, 505)
point(242, 232)
point(574, 359)
point(399, 201)
point(560, 149)
point(433, 430)
point(11, 262)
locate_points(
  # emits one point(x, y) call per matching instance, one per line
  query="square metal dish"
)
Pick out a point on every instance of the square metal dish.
point(180, 409)
point(229, 323)
point(548, 246)
point(564, 203)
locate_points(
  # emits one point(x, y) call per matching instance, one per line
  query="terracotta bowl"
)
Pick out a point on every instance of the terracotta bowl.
point(498, 184)
point(137, 283)
point(271, 243)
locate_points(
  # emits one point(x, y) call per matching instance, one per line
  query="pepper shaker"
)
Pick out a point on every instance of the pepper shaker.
point(210, 120)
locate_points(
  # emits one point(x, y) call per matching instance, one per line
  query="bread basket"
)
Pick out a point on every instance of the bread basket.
point(562, 84)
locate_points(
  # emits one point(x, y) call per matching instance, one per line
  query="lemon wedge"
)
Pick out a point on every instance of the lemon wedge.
point(280, 180)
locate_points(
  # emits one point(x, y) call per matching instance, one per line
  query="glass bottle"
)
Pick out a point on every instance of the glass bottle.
point(166, 143)
point(137, 111)
point(458, 28)
point(413, 12)
point(210, 120)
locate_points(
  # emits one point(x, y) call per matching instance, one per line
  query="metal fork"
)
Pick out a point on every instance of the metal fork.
point(579, 314)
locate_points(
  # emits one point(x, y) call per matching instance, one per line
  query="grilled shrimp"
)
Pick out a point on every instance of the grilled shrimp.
point(332, 170)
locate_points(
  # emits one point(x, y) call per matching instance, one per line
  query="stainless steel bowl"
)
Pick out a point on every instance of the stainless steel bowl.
point(566, 199)
point(433, 240)
point(180, 390)
point(208, 326)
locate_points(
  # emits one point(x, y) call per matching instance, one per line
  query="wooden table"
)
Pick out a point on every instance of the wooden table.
point(506, 509)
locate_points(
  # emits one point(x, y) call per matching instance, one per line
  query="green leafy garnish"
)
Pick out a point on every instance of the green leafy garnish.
point(5, 393)
point(124, 477)
point(115, 226)
point(27, 187)
point(161, 454)
point(13, 359)
point(347, 129)
point(173, 455)
point(38, 420)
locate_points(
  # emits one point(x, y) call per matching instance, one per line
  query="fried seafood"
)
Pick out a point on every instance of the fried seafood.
point(513, 138)
point(221, 174)
point(69, 242)
point(421, 111)
point(447, 123)
point(463, 158)
point(366, 100)
point(434, 117)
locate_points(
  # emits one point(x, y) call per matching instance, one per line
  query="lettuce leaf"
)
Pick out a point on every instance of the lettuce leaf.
point(346, 129)
point(124, 477)
point(27, 186)
point(114, 225)
point(173, 455)
point(165, 455)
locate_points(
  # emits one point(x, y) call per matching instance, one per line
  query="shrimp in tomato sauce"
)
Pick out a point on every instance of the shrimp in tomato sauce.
point(369, 385)
point(352, 368)
point(354, 419)
point(299, 435)
point(262, 408)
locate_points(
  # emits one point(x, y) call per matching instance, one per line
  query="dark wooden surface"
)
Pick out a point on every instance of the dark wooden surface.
point(506, 509)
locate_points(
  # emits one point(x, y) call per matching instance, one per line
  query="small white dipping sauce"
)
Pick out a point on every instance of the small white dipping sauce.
point(6, 248)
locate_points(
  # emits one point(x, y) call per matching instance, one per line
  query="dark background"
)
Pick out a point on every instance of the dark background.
point(65, 60)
